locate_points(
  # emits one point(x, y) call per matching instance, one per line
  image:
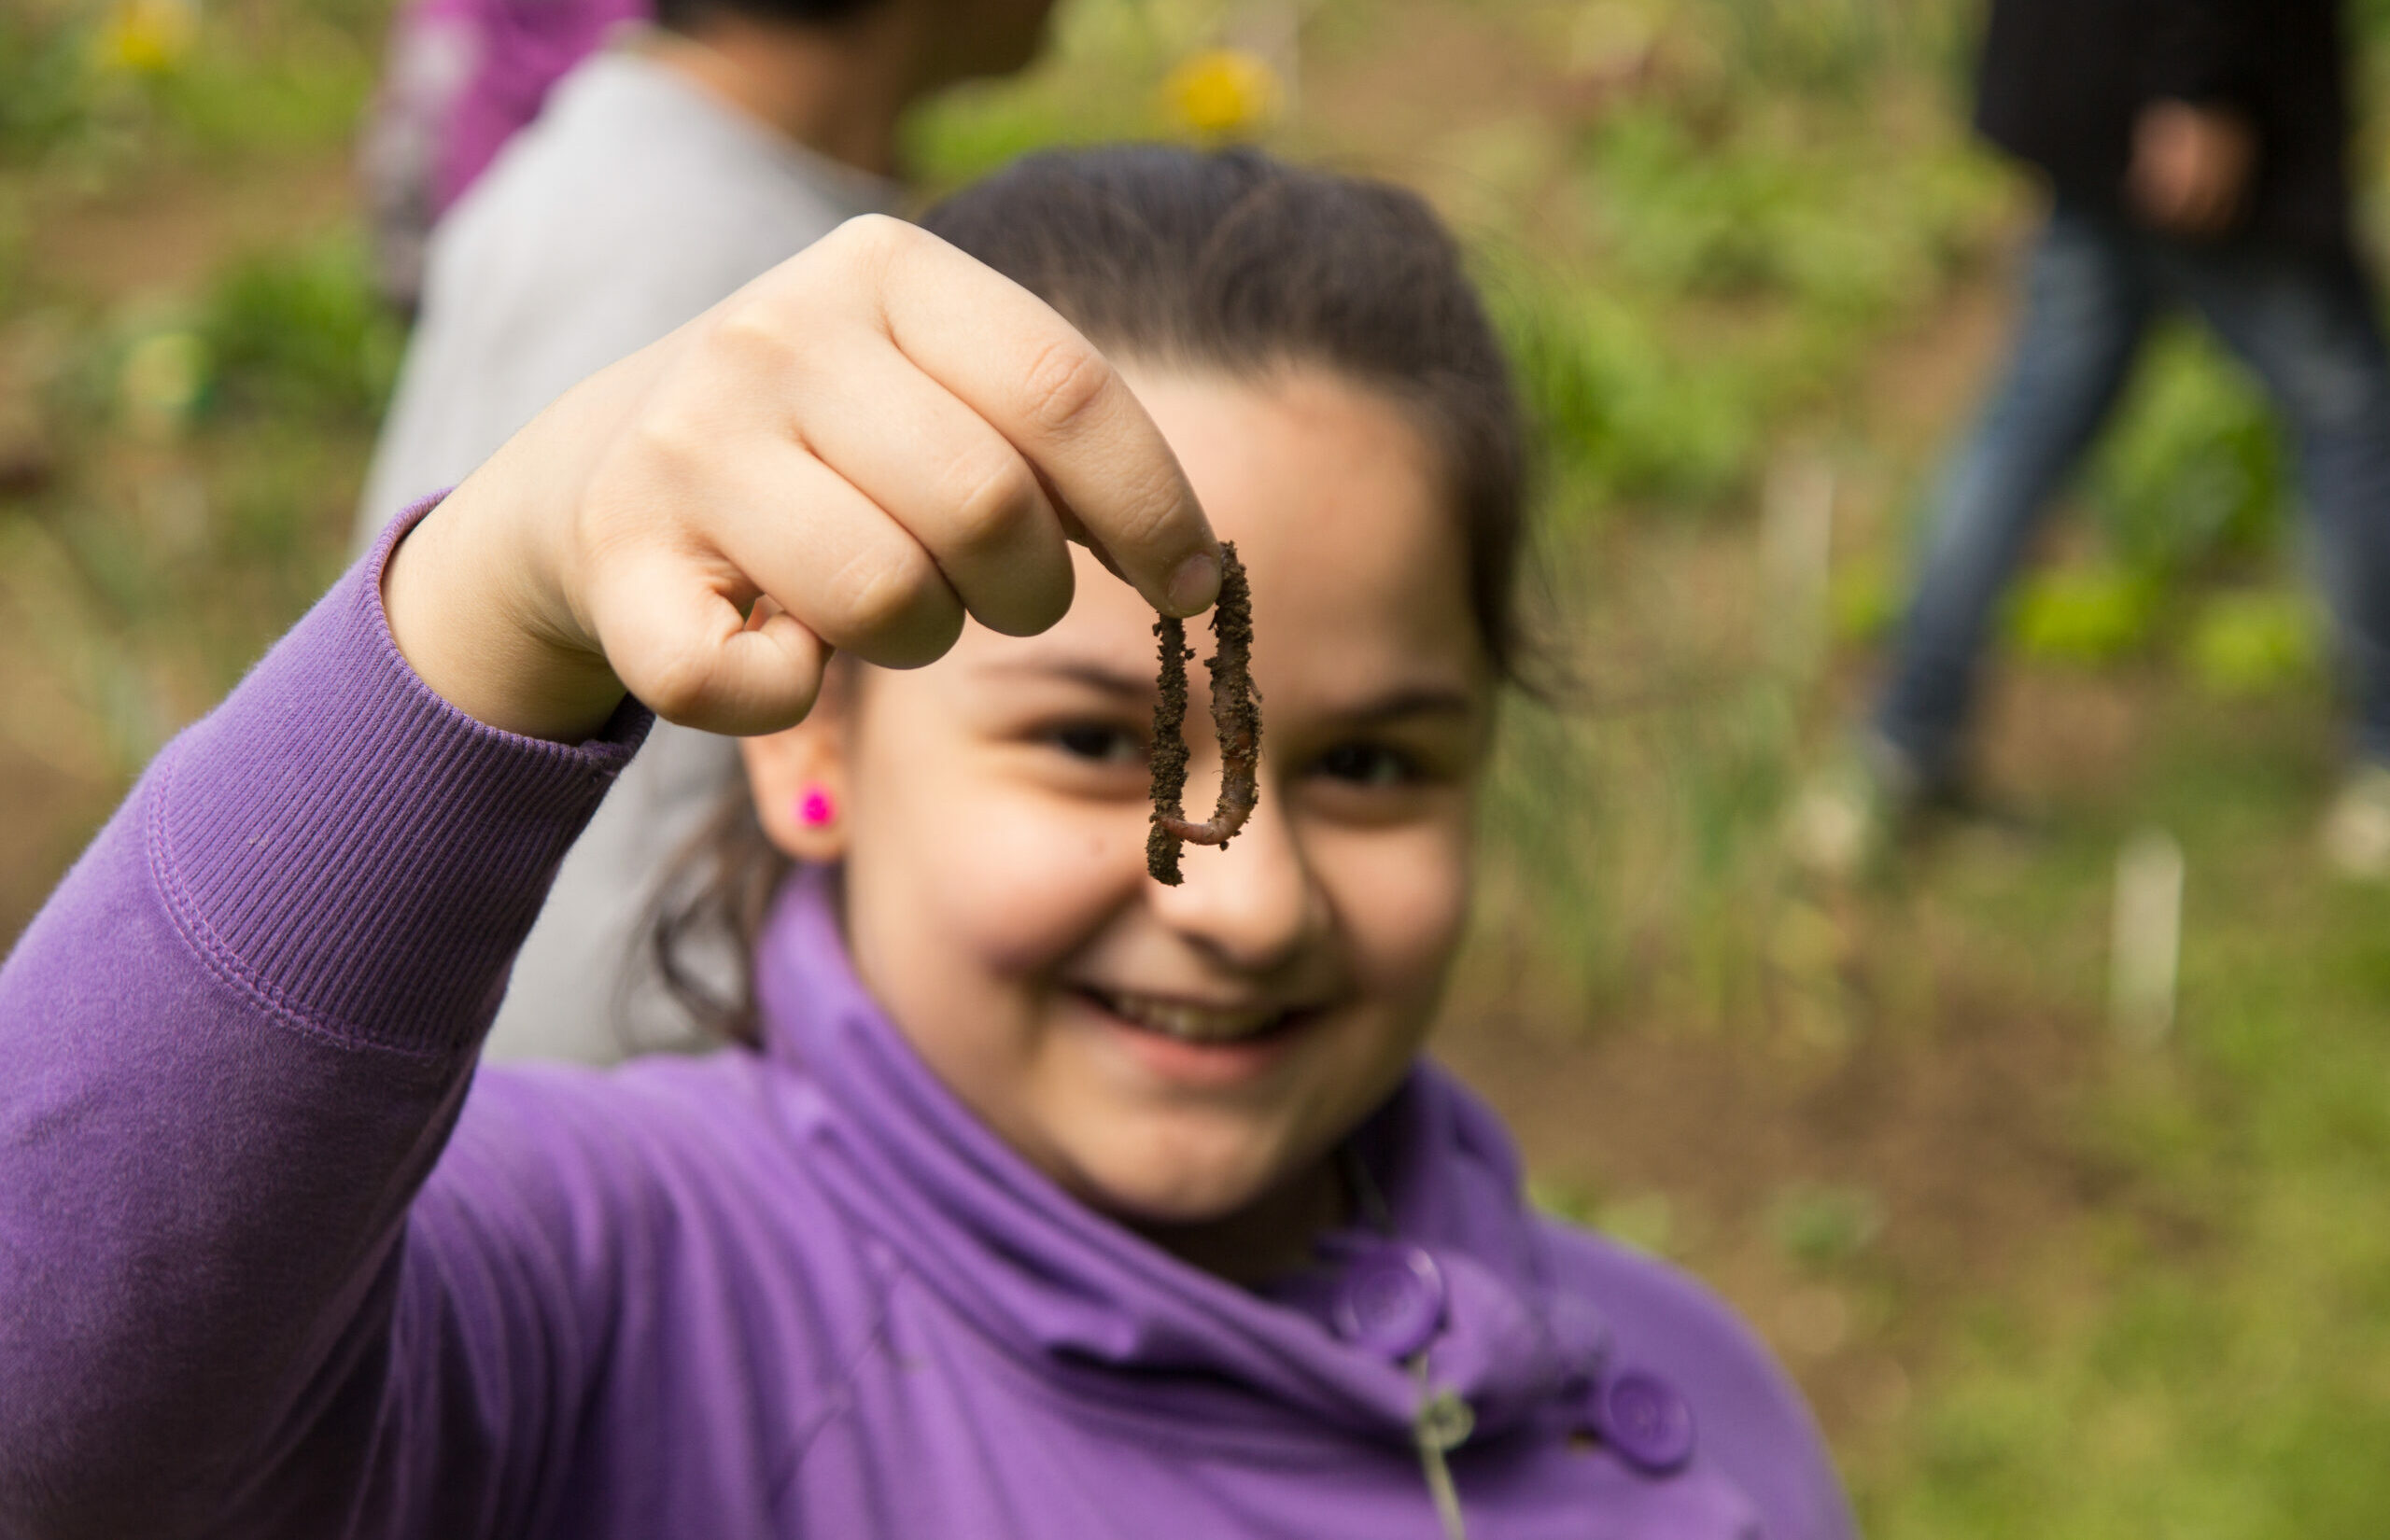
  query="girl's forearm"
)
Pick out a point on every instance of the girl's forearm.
point(235, 1037)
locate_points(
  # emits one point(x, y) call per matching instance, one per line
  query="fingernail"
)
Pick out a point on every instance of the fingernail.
point(1195, 584)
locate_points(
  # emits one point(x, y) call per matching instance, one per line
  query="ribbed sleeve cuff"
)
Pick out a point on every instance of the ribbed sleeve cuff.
point(364, 857)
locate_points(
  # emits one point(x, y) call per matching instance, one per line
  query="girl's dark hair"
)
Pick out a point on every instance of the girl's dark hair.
point(1228, 262)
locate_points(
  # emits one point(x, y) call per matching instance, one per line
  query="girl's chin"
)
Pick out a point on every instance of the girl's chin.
point(1207, 1180)
point(1146, 1194)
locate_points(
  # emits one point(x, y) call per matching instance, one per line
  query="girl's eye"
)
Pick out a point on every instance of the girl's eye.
point(1367, 765)
point(1098, 744)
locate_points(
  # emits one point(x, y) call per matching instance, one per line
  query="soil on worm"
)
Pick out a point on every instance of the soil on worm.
point(1236, 718)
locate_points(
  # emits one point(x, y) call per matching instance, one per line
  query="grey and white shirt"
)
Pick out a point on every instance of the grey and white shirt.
point(636, 202)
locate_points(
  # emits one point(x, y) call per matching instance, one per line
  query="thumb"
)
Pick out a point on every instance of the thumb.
point(689, 654)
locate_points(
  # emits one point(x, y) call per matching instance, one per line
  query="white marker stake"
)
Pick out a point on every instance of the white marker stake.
point(2147, 946)
point(1797, 539)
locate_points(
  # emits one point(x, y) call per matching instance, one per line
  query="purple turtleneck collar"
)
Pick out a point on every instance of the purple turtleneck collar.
point(1082, 1299)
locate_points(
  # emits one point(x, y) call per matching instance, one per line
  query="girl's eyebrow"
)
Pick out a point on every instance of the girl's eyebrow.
point(1403, 702)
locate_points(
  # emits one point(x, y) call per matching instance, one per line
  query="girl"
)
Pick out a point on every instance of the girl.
point(1042, 1199)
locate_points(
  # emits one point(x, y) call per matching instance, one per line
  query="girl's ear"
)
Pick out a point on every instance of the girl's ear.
point(798, 777)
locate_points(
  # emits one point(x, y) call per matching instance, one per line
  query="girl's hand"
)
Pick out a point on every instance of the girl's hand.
point(855, 450)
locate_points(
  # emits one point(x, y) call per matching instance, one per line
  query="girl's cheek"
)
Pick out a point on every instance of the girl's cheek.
point(1405, 901)
point(1033, 880)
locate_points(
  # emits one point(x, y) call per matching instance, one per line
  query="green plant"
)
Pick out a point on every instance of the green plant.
point(301, 333)
point(236, 98)
point(2192, 470)
point(1829, 47)
point(44, 85)
point(2249, 643)
point(2087, 615)
point(1824, 1226)
point(1620, 413)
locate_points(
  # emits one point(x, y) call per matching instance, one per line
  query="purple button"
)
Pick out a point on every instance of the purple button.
point(1644, 1418)
point(1392, 1301)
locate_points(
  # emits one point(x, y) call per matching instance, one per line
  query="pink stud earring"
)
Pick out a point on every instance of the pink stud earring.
point(814, 808)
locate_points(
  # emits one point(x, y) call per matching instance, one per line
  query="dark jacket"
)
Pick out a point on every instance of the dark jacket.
point(2063, 80)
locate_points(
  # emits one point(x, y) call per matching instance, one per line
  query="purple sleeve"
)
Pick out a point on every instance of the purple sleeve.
point(236, 1038)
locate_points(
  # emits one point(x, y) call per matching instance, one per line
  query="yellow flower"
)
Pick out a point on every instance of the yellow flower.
point(1223, 93)
point(147, 36)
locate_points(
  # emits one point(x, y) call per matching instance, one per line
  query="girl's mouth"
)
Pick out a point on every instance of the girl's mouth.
point(1185, 1021)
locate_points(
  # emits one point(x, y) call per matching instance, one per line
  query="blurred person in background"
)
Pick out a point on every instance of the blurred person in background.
point(461, 78)
point(2195, 153)
point(664, 172)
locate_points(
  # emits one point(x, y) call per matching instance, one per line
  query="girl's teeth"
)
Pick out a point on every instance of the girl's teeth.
point(1193, 1023)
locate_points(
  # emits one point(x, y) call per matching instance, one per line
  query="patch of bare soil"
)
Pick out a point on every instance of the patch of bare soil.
point(1922, 384)
point(1956, 1137)
point(2050, 735)
point(1389, 97)
point(166, 230)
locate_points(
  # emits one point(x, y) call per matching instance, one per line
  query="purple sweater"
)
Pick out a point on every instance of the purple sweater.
point(276, 1260)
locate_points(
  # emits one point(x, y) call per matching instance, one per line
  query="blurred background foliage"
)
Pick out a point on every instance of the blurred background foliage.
point(2037, 1281)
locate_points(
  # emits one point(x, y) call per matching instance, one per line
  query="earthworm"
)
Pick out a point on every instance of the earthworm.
point(1236, 717)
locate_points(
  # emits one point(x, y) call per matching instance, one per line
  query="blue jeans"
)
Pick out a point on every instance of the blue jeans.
point(2305, 322)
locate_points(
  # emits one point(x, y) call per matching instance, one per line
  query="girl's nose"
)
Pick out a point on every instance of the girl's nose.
point(1254, 904)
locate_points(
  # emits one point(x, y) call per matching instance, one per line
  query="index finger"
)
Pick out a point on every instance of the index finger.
point(1033, 377)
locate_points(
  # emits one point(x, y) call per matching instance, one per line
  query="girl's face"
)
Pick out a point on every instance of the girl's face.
point(1178, 1055)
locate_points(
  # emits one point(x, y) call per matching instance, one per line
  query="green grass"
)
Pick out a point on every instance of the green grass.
point(2212, 1356)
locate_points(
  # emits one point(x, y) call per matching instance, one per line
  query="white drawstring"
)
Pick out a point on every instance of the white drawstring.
point(1442, 1424)
point(1444, 1421)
